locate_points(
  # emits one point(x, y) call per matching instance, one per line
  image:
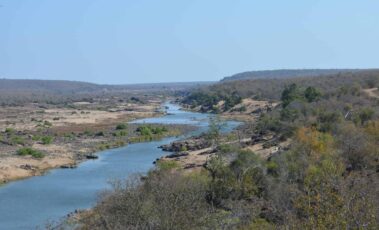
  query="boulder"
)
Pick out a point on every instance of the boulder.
point(92, 156)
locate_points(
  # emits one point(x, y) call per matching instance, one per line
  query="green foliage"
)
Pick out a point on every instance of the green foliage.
point(46, 140)
point(289, 114)
point(202, 98)
point(69, 136)
point(29, 151)
point(47, 123)
point(365, 115)
point(36, 137)
point(183, 148)
point(214, 129)
point(111, 144)
point(272, 168)
point(210, 101)
point(231, 101)
point(312, 94)
point(10, 130)
point(289, 94)
point(120, 133)
point(167, 165)
point(158, 203)
point(100, 134)
point(328, 120)
point(268, 123)
point(88, 132)
point(147, 130)
point(149, 133)
point(17, 140)
point(121, 126)
point(227, 148)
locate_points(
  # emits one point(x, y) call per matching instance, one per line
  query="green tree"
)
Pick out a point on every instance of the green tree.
point(215, 126)
point(289, 94)
point(312, 94)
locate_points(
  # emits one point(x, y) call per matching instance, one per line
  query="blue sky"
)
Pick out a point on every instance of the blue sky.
point(125, 41)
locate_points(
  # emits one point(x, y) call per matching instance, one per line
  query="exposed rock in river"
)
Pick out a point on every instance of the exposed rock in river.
point(192, 144)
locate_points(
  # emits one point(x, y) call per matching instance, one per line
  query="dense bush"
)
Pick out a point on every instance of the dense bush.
point(29, 151)
point(121, 126)
point(46, 140)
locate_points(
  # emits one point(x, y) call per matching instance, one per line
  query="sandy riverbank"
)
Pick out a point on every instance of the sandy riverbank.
point(75, 132)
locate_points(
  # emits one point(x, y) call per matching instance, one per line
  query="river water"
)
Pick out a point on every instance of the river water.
point(32, 202)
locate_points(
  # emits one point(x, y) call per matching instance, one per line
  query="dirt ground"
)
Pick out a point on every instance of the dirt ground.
point(84, 117)
point(373, 92)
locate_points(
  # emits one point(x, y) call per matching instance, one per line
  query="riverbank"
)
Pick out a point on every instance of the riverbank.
point(193, 153)
point(71, 135)
point(51, 196)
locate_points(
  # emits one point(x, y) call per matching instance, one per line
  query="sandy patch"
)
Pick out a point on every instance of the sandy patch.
point(13, 168)
point(373, 92)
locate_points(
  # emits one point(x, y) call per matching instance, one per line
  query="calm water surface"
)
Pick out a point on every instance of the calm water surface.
point(30, 203)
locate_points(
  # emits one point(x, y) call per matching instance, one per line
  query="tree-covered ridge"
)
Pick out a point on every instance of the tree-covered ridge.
point(285, 73)
point(271, 89)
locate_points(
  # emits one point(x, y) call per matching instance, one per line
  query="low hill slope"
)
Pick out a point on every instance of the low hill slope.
point(285, 73)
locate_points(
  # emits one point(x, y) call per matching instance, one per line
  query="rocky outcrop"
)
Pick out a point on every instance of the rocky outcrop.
point(177, 154)
point(92, 156)
point(28, 167)
point(192, 144)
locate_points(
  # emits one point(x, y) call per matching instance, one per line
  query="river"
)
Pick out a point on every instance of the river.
point(32, 202)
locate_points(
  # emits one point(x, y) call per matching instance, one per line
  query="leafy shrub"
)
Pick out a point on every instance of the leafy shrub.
point(88, 132)
point(17, 140)
point(289, 94)
point(100, 134)
point(312, 94)
point(121, 126)
point(46, 140)
point(29, 151)
point(36, 137)
point(120, 133)
point(147, 130)
point(10, 130)
point(47, 123)
point(167, 165)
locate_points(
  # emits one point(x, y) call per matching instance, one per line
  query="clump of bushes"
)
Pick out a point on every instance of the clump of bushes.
point(121, 126)
point(9, 130)
point(46, 140)
point(16, 140)
point(29, 151)
point(149, 133)
point(47, 123)
point(147, 130)
point(167, 165)
point(120, 133)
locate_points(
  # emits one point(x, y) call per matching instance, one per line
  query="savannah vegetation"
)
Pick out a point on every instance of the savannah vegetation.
point(327, 178)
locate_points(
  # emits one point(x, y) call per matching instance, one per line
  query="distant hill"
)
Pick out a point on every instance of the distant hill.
point(18, 92)
point(77, 87)
point(272, 88)
point(285, 73)
point(47, 86)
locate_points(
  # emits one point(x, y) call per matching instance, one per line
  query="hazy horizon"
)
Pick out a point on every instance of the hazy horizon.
point(124, 42)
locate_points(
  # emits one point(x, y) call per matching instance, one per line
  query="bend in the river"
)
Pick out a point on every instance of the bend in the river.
point(31, 202)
